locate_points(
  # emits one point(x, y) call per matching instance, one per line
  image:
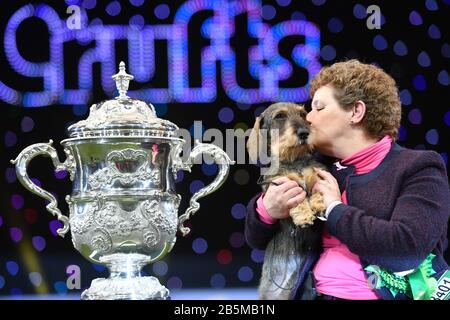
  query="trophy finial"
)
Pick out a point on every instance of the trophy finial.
point(122, 81)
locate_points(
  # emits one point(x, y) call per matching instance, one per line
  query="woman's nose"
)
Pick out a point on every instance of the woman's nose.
point(309, 117)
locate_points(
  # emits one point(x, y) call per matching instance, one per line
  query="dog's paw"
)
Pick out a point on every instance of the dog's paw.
point(316, 203)
point(302, 215)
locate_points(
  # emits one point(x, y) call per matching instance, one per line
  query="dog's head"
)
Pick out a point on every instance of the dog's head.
point(282, 130)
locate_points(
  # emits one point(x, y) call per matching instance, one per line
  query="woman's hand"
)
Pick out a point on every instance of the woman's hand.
point(327, 186)
point(281, 196)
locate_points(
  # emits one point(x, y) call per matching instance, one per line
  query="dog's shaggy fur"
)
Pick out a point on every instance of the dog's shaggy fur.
point(288, 248)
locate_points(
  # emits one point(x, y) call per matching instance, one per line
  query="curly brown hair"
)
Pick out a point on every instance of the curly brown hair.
point(353, 81)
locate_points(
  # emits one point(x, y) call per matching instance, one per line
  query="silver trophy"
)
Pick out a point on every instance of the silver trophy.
point(123, 161)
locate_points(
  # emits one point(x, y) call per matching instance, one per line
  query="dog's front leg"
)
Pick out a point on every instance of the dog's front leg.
point(316, 203)
point(302, 215)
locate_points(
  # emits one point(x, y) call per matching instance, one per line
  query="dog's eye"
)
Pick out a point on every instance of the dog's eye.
point(280, 116)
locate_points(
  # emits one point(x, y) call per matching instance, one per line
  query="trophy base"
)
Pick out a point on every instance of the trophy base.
point(125, 282)
point(139, 288)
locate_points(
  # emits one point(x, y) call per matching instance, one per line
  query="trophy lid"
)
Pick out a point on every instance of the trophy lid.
point(122, 116)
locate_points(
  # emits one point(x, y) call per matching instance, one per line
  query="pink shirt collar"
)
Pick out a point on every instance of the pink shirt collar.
point(368, 158)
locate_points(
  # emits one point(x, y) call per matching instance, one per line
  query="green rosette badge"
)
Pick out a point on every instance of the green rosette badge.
point(418, 285)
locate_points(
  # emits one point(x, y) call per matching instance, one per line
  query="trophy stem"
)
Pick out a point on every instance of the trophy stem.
point(125, 281)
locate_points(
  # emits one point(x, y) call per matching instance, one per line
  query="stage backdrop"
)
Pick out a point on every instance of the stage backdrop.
point(203, 64)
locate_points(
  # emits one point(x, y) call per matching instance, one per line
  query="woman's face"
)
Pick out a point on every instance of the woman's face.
point(329, 121)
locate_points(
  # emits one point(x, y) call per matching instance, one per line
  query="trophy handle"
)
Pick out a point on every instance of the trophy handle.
point(21, 163)
point(222, 160)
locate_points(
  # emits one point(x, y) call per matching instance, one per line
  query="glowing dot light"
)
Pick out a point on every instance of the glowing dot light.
point(55, 225)
point(283, 3)
point(2, 282)
point(71, 2)
point(60, 287)
point(1, 221)
point(415, 117)
point(237, 239)
point(39, 243)
point(328, 53)
point(268, 12)
point(137, 3)
point(137, 21)
point(424, 59)
point(98, 267)
point(400, 48)
point(35, 278)
point(89, 4)
point(241, 177)
point(419, 82)
point(199, 245)
point(445, 50)
point(359, 11)
point(113, 8)
point(12, 267)
point(17, 201)
point(415, 18)
point(10, 175)
point(226, 115)
point(447, 118)
point(37, 182)
point(432, 136)
point(443, 78)
point(335, 25)
point(238, 211)
point(243, 106)
point(224, 256)
point(245, 274)
point(180, 176)
point(16, 234)
point(209, 169)
point(434, 32)
point(318, 2)
point(174, 283)
point(60, 174)
point(27, 124)
point(444, 157)
point(10, 139)
point(405, 97)
point(217, 281)
point(431, 5)
point(257, 255)
point(160, 268)
point(196, 185)
point(380, 43)
point(162, 11)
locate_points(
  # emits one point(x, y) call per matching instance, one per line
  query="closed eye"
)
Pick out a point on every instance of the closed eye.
point(318, 108)
point(280, 116)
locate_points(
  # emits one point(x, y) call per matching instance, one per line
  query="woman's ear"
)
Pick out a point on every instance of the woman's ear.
point(359, 110)
point(254, 141)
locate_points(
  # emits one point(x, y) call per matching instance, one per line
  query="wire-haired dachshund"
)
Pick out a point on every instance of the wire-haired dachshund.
point(283, 131)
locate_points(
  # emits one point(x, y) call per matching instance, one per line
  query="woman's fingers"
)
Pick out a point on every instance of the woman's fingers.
point(295, 201)
point(326, 176)
point(292, 192)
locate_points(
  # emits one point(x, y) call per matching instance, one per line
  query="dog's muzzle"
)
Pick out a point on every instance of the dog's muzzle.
point(302, 135)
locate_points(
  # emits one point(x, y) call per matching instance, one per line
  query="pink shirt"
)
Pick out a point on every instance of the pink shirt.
point(339, 272)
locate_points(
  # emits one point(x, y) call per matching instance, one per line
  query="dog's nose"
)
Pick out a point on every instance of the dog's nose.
point(302, 133)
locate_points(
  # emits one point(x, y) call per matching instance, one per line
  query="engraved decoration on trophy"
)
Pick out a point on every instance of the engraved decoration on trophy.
point(123, 209)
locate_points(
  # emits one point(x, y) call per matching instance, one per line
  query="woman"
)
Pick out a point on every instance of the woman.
point(387, 206)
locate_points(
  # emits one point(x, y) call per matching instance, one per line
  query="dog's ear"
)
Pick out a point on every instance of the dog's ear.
point(254, 141)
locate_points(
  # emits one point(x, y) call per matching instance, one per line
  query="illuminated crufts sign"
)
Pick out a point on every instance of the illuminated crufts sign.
point(266, 65)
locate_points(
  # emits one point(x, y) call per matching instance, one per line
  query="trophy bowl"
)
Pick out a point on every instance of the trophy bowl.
point(123, 209)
